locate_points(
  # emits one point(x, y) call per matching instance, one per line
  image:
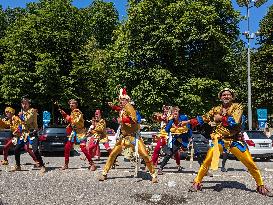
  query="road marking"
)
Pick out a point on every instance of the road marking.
point(80, 169)
point(155, 198)
point(268, 170)
point(171, 184)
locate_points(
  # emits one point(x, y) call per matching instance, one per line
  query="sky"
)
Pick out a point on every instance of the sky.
point(256, 14)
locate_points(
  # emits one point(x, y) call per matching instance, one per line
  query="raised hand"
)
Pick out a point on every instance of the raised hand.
point(110, 104)
point(217, 118)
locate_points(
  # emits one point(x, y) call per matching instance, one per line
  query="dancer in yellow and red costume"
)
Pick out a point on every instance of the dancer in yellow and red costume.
point(13, 123)
point(98, 135)
point(162, 137)
point(129, 128)
point(76, 134)
point(226, 119)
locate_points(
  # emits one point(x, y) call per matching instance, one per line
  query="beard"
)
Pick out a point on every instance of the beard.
point(226, 101)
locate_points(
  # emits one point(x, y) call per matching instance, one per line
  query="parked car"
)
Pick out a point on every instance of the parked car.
point(259, 145)
point(5, 136)
point(52, 139)
point(200, 145)
point(148, 134)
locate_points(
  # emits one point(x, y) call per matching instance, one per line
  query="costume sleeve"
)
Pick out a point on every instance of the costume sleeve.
point(100, 127)
point(138, 117)
point(4, 124)
point(196, 121)
point(207, 117)
point(35, 115)
point(76, 118)
point(169, 126)
point(130, 113)
point(16, 124)
point(183, 118)
point(116, 108)
point(30, 119)
point(66, 116)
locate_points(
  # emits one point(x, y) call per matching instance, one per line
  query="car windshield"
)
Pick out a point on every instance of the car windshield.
point(55, 130)
point(256, 135)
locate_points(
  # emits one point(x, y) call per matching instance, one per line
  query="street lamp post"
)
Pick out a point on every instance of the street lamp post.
point(249, 104)
point(249, 36)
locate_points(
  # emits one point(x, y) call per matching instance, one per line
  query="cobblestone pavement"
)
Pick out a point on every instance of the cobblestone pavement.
point(78, 185)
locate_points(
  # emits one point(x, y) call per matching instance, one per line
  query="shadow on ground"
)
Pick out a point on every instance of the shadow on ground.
point(220, 185)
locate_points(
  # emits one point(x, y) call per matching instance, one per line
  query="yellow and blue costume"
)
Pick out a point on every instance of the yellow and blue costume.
point(225, 136)
point(29, 124)
point(28, 131)
point(179, 136)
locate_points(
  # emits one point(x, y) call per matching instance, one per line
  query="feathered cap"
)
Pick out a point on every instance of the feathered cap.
point(123, 94)
point(227, 89)
point(10, 109)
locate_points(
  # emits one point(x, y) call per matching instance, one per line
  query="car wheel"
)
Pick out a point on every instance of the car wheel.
point(265, 159)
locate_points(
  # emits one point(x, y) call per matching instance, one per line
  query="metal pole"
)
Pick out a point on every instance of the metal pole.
point(249, 113)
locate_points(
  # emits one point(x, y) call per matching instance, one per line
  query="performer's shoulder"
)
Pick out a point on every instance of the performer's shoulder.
point(32, 111)
point(102, 121)
point(128, 106)
point(16, 118)
point(238, 105)
point(216, 108)
point(77, 110)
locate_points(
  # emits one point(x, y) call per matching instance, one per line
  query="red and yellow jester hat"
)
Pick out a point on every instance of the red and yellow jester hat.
point(123, 94)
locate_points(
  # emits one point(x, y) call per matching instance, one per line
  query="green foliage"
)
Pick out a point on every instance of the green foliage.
point(163, 44)
point(172, 52)
point(44, 50)
point(243, 2)
point(259, 3)
point(101, 20)
point(199, 94)
point(88, 75)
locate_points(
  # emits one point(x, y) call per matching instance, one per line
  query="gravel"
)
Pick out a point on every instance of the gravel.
point(78, 185)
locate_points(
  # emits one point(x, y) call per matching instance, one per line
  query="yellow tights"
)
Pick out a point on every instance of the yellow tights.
point(118, 149)
point(244, 157)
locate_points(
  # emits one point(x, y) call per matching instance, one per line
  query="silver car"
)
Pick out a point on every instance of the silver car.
point(260, 146)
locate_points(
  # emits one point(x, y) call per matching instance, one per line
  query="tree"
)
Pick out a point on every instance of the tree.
point(101, 19)
point(44, 51)
point(180, 40)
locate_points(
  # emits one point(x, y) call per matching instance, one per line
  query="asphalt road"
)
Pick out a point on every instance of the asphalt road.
point(78, 185)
